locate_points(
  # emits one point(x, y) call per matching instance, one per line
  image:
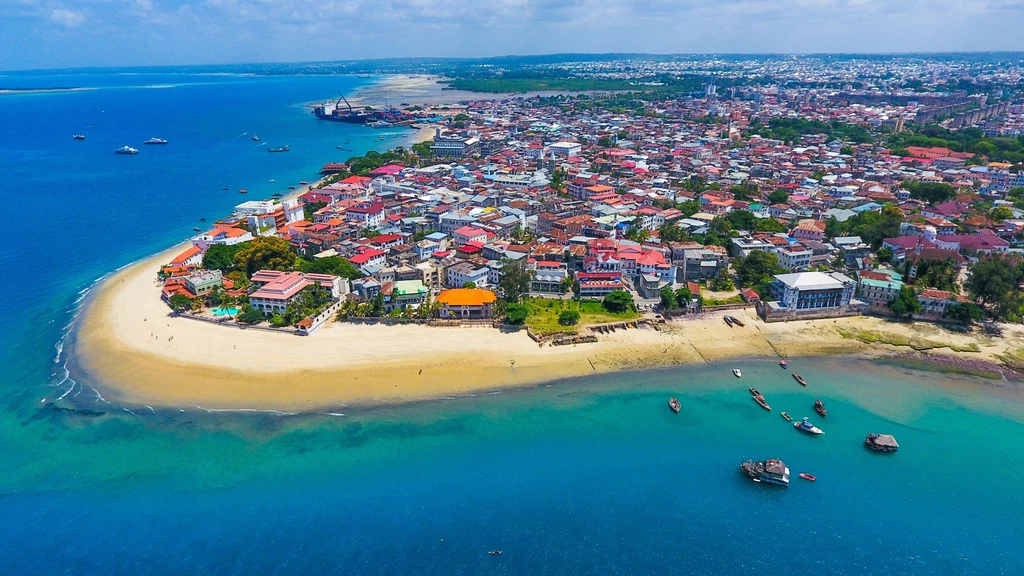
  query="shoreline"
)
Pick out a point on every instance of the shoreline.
point(128, 346)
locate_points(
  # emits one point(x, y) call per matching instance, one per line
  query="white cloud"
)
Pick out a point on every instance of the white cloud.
point(68, 18)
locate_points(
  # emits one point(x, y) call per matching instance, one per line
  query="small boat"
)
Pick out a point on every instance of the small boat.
point(754, 391)
point(736, 321)
point(819, 407)
point(242, 191)
point(799, 379)
point(272, 180)
point(787, 417)
point(255, 138)
point(303, 183)
point(224, 188)
point(155, 140)
point(728, 321)
point(881, 442)
point(196, 229)
point(761, 401)
point(736, 372)
point(494, 553)
point(808, 477)
point(805, 426)
point(673, 403)
point(783, 364)
point(201, 219)
point(284, 148)
point(291, 187)
point(78, 136)
point(126, 150)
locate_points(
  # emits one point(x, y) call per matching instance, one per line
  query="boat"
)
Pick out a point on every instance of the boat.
point(196, 229)
point(272, 180)
point(380, 124)
point(809, 477)
point(201, 219)
point(819, 407)
point(783, 364)
point(736, 372)
point(255, 138)
point(242, 191)
point(303, 183)
point(224, 188)
point(772, 471)
point(126, 150)
point(787, 417)
point(673, 403)
point(494, 553)
point(155, 140)
point(799, 379)
point(78, 136)
point(805, 426)
point(291, 187)
point(284, 148)
point(728, 321)
point(881, 442)
point(761, 401)
point(736, 321)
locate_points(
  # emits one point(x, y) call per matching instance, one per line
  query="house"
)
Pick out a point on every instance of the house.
point(812, 290)
point(549, 278)
point(808, 229)
point(275, 289)
point(598, 284)
point(405, 294)
point(367, 215)
point(202, 282)
point(466, 303)
point(192, 256)
point(467, 234)
point(937, 302)
point(795, 257)
point(565, 149)
point(368, 259)
point(227, 235)
point(703, 262)
point(879, 286)
point(463, 272)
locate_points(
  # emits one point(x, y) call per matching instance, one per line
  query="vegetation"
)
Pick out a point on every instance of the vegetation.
point(995, 283)
point(789, 130)
point(618, 301)
point(180, 302)
point(222, 257)
point(757, 271)
point(309, 209)
point(568, 317)
point(1000, 149)
point(516, 313)
point(672, 233)
point(780, 196)
point(249, 315)
point(930, 192)
point(265, 253)
point(335, 265)
point(544, 314)
point(906, 303)
point(966, 313)
point(514, 280)
point(872, 227)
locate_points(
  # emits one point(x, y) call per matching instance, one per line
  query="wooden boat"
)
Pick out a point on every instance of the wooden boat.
point(807, 476)
point(754, 391)
point(783, 364)
point(196, 230)
point(242, 191)
point(819, 407)
point(762, 403)
point(728, 321)
point(673, 403)
point(799, 379)
point(201, 219)
point(736, 372)
point(787, 417)
point(494, 553)
point(737, 321)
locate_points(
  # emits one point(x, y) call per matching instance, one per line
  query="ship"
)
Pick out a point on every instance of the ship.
point(78, 136)
point(804, 426)
point(819, 407)
point(255, 138)
point(126, 150)
point(284, 148)
point(155, 140)
point(773, 471)
point(881, 442)
point(335, 113)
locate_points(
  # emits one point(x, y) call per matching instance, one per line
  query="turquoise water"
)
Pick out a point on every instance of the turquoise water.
point(588, 476)
point(224, 311)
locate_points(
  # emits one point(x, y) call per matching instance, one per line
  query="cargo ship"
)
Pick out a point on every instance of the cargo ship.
point(336, 113)
point(772, 471)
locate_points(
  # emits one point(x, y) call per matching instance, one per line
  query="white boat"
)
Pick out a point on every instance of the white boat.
point(805, 426)
point(155, 140)
point(736, 372)
point(126, 150)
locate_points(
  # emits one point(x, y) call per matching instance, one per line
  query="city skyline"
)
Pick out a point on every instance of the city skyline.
point(40, 34)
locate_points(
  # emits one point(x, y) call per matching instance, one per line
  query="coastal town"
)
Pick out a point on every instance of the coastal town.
point(571, 215)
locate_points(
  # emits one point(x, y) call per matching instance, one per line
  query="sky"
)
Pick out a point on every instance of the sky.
point(76, 33)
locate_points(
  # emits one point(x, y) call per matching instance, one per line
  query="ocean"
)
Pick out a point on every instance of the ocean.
point(589, 476)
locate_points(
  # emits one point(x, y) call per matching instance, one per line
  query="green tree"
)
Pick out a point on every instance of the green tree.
point(516, 313)
point(741, 220)
point(638, 234)
point(180, 302)
point(941, 274)
point(1000, 213)
point(309, 209)
point(249, 315)
point(618, 301)
point(334, 265)
point(684, 296)
point(669, 300)
point(514, 280)
point(222, 257)
point(568, 317)
point(848, 150)
point(906, 303)
point(768, 225)
point(422, 149)
point(966, 313)
point(688, 207)
point(780, 196)
point(605, 142)
point(469, 284)
point(930, 192)
point(671, 233)
point(994, 281)
point(265, 253)
point(558, 179)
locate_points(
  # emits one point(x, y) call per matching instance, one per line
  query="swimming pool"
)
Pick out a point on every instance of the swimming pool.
point(224, 311)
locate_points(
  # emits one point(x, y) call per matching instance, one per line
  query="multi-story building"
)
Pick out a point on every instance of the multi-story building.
point(466, 303)
point(812, 290)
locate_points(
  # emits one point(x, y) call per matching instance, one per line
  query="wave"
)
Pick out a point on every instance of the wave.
point(254, 410)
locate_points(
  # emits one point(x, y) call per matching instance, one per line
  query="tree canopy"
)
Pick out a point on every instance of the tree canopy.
point(930, 192)
point(618, 301)
point(222, 257)
point(514, 280)
point(906, 303)
point(265, 253)
point(335, 265)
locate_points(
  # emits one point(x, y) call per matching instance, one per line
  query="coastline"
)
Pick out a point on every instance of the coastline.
point(131, 348)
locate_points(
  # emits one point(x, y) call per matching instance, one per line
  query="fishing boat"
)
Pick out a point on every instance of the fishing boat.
point(819, 407)
point(201, 219)
point(155, 140)
point(736, 372)
point(773, 471)
point(673, 403)
point(78, 136)
point(881, 442)
point(196, 229)
point(242, 191)
point(736, 321)
point(808, 477)
point(787, 417)
point(762, 402)
point(783, 364)
point(805, 426)
point(255, 138)
point(224, 188)
point(728, 321)
point(284, 148)
point(799, 379)
point(303, 183)
point(126, 150)
point(494, 553)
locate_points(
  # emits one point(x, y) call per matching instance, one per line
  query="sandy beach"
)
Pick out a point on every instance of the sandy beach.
point(130, 347)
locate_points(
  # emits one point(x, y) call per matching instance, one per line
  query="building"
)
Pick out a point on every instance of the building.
point(467, 234)
point(703, 263)
point(549, 278)
point(466, 303)
point(229, 236)
point(795, 257)
point(809, 229)
point(879, 286)
point(405, 294)
point(937, 302)
point(202, 282)
point(453, 146)
point(565, 149)
point(463, 272)
point(368, 215)
point(277, 289)
point(812, 290)
point(192, 256)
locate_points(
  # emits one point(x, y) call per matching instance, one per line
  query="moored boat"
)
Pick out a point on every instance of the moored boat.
point(807, 476)
point(799, 379)
point(728, 320)
point(126, 150)
point(736, 372)
point(78, 136)
point(737, 321)
point(819, 407)
point(242, 191)
point(762, 402)
point(783, 364)
point(773, 471)
point(155, 140)
point(494, 553)
point(284, 148)
point(673, 403)
point(881, 442)
point(805, 426)
point(787, 417)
